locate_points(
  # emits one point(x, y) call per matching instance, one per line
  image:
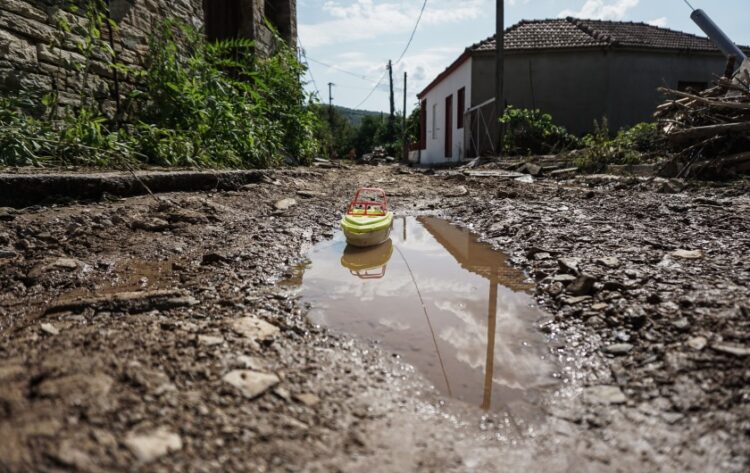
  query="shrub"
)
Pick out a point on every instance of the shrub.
point(530, 132)
point(600, 150)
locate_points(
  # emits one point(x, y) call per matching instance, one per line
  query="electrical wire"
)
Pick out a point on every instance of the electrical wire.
point(403, 53)
point(309, 69)
point(340, 69)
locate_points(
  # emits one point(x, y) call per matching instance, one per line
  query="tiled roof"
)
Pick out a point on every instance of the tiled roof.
point(566, 33)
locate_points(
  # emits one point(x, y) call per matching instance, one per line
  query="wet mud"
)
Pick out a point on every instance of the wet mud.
point(180, 335)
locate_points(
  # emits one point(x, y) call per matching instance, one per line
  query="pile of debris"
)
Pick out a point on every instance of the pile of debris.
point(709, 132)
point(377, 157)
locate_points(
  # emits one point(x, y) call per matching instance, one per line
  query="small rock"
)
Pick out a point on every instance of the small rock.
point(564, 278)
point(150, 446)
point(7, 254)
point(681, 324)
point(575, 300)
point(569, 265)
point(7, 214)
point(610, 262)
point(210, 340)
point(618, 349)
point(582, 286)
point(50, 329)
point(308, 399)
point(150, 225)
point(604, 395)
point(64, 263)
point(285, 204)
point(251, 383)
point(459, 191)
point(213, 258)
point(688, 254)
point(731, 349)
point(525, 179)
point(600, 306)
point(255, 328)
point(697, 343)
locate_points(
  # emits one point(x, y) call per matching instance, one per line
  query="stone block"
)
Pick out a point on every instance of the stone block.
point(16, 50)
point(25, 9)
point(26, 27)
point(59, 57)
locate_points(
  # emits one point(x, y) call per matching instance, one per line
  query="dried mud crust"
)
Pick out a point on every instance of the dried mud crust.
point(152, 336)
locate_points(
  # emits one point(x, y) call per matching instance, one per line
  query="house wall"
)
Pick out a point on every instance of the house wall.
point(434, 152)
point(635, 77)
point(37, 54)
point(578, 87)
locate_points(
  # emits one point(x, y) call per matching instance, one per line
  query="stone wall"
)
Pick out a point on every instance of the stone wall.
point(36, 53)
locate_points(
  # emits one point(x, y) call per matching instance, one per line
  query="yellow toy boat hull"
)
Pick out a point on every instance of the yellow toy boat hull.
point(363, 231)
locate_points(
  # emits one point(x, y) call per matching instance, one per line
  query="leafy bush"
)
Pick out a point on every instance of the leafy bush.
point(530, 132)
point(197, 104)
point(600, 150)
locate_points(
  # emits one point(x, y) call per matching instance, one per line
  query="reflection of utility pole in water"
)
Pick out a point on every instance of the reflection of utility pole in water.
point(404, 227)
point(489, 366)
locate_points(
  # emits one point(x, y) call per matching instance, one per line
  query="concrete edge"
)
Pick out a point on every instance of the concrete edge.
point(23, 190)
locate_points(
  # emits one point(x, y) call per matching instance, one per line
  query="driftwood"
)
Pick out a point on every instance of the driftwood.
point(132, 301)
point(708, 132)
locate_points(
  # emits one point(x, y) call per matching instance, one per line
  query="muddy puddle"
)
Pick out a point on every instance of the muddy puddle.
point(447, 304)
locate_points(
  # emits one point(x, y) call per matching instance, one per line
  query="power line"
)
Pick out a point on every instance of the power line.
point(340, 69)
point(309, 69)
point(403, 53)
point(414, 31)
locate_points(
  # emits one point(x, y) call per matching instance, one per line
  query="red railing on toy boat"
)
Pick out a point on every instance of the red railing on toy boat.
point(360, 206)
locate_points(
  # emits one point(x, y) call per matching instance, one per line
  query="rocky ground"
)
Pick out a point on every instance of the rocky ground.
point(151, 333)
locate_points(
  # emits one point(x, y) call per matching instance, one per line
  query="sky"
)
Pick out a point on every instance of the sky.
point(349, 42)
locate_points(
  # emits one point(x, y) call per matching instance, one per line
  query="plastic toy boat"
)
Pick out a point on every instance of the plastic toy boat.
point(368, 263)
point(367, 221)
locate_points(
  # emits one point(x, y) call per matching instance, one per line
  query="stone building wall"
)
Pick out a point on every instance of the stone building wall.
point(36, 53)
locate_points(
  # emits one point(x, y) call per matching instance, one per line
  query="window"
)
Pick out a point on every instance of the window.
point(460, 108)
point(423, 124)
point(222, 19)
point(449, 126)
point(434, 121)
point(278, 13)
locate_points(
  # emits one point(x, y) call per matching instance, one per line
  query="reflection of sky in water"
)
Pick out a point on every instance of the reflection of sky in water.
point(456, 300)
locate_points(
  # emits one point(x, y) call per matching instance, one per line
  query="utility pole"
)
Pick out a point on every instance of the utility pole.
point(332, 151)
point(403, 126)
point(330, 103)
point(499, 72)
point(392, 117)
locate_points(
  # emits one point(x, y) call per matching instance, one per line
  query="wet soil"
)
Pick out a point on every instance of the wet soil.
point(158, 336)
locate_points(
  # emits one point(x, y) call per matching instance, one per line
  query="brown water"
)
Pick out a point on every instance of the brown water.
point(447, 304)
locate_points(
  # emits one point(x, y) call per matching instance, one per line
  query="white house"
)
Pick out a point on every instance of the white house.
point(576, 70)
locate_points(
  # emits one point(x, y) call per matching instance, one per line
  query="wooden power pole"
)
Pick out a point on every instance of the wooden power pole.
point(403, 126)
point(499, 72)
point(330, 103)
point(392, 117)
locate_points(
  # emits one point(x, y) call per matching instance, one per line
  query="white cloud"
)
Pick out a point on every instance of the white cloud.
point(367, 19)
point(602, 10)
point(662, 22)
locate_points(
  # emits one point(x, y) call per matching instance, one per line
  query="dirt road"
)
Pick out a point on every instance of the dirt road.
point(154, 336)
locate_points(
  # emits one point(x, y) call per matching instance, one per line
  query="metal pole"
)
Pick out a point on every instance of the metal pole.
point(392, 116)
point(499, 72)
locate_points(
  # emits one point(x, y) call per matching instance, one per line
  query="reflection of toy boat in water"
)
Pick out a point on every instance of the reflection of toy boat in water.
point(367, 221)
point(368, 263)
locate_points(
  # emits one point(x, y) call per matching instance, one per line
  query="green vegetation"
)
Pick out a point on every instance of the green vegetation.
point(196, 104)
point(529, 132)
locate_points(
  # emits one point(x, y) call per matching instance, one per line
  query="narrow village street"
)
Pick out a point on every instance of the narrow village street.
point(167, 333)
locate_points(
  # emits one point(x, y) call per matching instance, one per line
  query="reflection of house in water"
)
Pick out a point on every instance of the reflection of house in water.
point(490, 264)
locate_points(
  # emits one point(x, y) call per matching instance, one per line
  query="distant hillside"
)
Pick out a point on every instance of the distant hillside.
point(355, 116)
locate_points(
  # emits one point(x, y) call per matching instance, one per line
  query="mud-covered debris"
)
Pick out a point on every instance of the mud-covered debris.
point(76, 389)
point(285, 204)
point(49, 329)
point(582, 286)
point(697, 343)
point(735, 350)
point(604, 394)
point(609, 261)
point(575, 300)
point(254, 328)
point(133, 301)
point(459, 191)
point(210, 340)
point(618, 349)
point(150, 224)
point(71, 456)
point(7, 214)
point(688, 254)
point(563, 278)
point(310, 194)
point(569, 265)
point(251, 383)
point(7, 253)
point(149, 446)
point(308, 399)
point(214, 258)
